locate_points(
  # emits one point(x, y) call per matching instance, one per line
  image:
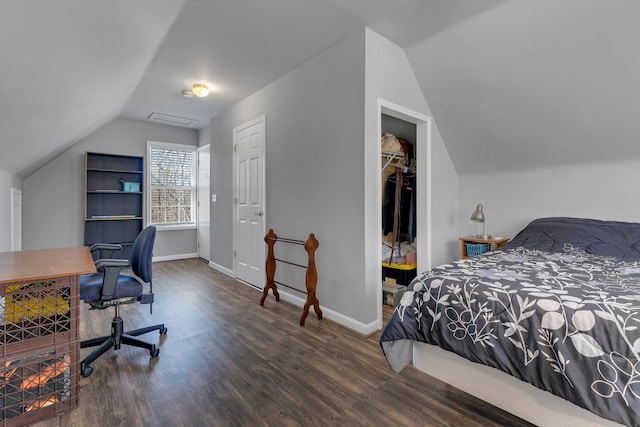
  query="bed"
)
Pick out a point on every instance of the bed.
point(558, 307)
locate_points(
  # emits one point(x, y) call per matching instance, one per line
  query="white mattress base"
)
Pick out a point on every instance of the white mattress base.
point(502, 390)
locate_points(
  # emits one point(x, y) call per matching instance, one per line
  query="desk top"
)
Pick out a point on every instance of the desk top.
point(45, 264)
point(498, 240)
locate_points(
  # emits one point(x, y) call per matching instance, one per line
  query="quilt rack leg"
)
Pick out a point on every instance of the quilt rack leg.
point(311, 279)
point(270, 238)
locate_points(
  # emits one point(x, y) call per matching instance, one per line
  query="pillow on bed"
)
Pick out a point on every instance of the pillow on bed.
point(608, 238)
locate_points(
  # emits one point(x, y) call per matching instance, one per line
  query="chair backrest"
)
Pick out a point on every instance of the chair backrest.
point(142, 253)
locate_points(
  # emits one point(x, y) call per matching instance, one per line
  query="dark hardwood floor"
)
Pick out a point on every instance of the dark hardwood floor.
point(226, 361)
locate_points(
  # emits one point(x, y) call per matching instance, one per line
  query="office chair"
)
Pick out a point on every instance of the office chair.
point(109, 287)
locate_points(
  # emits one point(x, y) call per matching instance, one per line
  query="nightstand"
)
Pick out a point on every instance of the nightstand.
point(493, 243)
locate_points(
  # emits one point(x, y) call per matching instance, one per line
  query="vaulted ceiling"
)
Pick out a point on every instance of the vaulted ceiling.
point(511, 84)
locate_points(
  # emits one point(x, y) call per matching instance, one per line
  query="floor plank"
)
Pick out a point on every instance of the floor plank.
point(226, 361)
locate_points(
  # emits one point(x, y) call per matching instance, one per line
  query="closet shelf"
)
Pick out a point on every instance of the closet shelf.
point(394, 158)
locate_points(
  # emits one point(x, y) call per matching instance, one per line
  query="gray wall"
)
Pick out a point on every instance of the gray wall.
point(204, 136)
point(314, 168)
point(512, 200)
point(319, 125)
point(389, 76)
point(53, 196)
point(399, 128)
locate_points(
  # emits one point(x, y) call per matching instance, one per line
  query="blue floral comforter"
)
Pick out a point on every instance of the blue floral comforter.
point(567, 322)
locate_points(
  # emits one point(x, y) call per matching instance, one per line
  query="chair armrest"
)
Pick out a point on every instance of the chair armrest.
point(96, 246)
point(120, 263)
point(105, 250)
point(111, 270)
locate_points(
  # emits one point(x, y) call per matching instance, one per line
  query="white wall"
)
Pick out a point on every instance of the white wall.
point(512, 200)
point(53, 196)
point(7, 181)
point(314, 169)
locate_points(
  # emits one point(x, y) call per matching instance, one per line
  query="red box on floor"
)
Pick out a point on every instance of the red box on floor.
point(39, 384)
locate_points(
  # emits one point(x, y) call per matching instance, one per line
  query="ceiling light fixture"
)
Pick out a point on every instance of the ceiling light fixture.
point(200, 90)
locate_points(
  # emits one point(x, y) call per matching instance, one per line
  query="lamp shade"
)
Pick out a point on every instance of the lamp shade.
point(478, 214)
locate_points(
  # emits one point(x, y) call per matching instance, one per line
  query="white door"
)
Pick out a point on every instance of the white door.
point(204, 202)
point(249, 230)
point(16, 219)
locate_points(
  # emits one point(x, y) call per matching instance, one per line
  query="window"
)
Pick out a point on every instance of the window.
point(171, 178)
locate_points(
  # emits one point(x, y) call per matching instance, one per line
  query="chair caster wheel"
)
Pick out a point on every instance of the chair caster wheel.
point(85, 370)
point(163, 331)
point(155, 351)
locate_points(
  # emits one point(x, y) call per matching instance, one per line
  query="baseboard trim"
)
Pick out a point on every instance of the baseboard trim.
point(174, 257)
point(348, 322)
point(221, 269)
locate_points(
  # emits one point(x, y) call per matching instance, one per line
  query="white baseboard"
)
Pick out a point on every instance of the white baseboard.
point(348, 322)
point(363, 328)
point(221, 269)
point(174, 257)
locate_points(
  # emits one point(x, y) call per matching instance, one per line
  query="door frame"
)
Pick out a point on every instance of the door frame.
point(207, 199)
point(16, 219)
point(263, 120)
point(423, 184)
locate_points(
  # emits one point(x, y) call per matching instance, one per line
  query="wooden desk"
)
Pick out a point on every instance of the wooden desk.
point(40, 348)
point(45, 264)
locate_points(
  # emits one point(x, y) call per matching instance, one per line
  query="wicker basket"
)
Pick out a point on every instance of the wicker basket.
point(474, 248)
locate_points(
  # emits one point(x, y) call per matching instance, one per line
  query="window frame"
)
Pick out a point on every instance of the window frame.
point(149, 187)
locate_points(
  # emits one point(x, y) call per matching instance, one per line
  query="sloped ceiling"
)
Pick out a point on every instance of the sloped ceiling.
point(236, 48)
point(511, 84)
point(535, 84)
point(68, 67)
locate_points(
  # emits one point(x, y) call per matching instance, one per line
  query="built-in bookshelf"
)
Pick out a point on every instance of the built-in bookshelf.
point(113, 200)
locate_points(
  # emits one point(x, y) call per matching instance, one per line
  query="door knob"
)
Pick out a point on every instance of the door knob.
point(259, 213)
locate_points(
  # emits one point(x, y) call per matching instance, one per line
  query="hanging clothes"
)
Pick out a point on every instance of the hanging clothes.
point(389, 143)
point(407, 148)
point(406, 209)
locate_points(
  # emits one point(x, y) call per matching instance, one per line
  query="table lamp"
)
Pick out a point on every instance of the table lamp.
point(478, 216)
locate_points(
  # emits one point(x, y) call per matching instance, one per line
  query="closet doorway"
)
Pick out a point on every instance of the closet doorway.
point(410, 229)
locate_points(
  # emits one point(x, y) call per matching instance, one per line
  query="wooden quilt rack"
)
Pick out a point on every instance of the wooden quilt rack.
point(311, 277)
